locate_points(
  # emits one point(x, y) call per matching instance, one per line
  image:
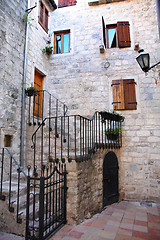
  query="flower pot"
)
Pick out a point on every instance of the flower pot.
point(112, 136)
point(31, 92)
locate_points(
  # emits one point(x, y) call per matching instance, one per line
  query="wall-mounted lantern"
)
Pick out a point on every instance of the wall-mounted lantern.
point(143, 60)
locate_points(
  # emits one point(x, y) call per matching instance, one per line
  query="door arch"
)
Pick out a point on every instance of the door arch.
point(110, 179)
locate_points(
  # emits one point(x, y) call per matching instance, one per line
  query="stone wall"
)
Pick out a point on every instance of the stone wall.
point(81, 80)
point(12, 40)
point(85, 187)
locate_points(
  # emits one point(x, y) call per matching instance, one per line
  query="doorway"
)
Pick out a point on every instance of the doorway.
point(110, 179)
point(38, 99)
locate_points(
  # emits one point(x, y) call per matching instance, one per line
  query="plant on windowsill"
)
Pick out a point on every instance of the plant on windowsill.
point(113, 134)
point(30, 91)
point(47, 50)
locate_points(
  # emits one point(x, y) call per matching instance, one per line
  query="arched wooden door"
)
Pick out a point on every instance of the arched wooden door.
point(110, 179)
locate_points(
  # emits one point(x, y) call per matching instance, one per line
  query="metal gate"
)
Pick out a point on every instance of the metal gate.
point(110, 179)
point(46, 203)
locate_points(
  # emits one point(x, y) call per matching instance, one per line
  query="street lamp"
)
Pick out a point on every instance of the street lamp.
point(143, 60)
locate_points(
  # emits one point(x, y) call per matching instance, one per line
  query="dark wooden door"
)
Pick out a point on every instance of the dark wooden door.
point(110, 179)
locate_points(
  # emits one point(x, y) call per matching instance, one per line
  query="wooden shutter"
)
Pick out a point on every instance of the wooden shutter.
point(104, 32)
point(41, 12)
point(65, 3)
point(46, 19)
point(129, 94)
point(62, 3)
point(123, 33)
point(71, 2)
point(118, 96)
point(38, 84)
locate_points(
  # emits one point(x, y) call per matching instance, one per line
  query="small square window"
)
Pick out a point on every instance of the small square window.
point(62, 42)
point(8, 140)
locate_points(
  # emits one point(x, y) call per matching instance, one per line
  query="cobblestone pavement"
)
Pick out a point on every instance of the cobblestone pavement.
point(119, 221)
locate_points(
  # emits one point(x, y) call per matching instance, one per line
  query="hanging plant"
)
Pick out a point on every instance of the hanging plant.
point(31, 91)
point(47, 50)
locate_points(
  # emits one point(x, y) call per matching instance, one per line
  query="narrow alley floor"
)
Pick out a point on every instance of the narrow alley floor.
point(119, 221)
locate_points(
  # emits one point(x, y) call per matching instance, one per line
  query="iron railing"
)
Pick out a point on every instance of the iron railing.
point(75, 137)
point(12, 183)
point(42, 104)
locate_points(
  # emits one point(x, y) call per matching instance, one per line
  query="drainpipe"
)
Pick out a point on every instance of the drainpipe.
point(23, 95)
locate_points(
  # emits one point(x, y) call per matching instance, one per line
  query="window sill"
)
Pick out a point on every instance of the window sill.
point(95, 2)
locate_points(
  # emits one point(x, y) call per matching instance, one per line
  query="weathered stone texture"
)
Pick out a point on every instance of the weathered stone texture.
point(12, 31)
point(80, 75)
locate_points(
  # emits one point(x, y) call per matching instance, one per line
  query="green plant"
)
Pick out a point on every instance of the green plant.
point(115, 131)
point(30, 91)
point(30, 88)
point(47, 50)
point(26, 18)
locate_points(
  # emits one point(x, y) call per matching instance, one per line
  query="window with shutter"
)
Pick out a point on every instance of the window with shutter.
point(43, 16)
point(117, 35)
point(124, 97)
point(65, 3)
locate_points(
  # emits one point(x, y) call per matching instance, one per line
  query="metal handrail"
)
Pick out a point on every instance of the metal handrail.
point(84, 136)
point(19, 170)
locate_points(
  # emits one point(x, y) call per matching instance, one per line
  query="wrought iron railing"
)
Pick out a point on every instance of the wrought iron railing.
point(57, 140)
point(42, 104)
point(75, 137)
point(12, 182)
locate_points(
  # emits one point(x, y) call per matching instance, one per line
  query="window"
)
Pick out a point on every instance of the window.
point(124, 97)
point(8, 140)
point(62, 42)
point(111, 36)
point(43, 16)
point(65, 3)
point(117, 35)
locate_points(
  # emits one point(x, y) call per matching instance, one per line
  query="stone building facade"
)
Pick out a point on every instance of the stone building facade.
point(12, 44)
point(83, 78)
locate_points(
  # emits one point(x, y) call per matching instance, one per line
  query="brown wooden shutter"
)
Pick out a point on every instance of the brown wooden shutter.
point(71, 2)
point(123, 33)
point(41, 12)
point(118, 96)
point(65, 3)
point(129, 94)
point(46, 19)
point(104, 32)
point(62, 3)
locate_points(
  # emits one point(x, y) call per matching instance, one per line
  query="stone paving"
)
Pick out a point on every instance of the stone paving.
point(119, 221)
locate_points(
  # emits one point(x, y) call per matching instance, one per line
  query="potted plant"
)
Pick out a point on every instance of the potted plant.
point(113, 134)
point(111, 116)
point(47, 50)
point(30, 91)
